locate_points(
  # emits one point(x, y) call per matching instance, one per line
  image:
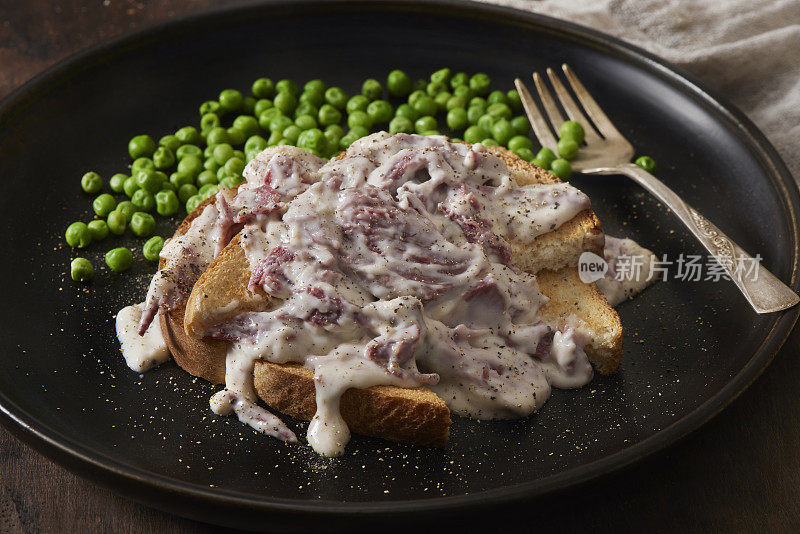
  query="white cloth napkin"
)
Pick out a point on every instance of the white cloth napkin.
point(748, 50)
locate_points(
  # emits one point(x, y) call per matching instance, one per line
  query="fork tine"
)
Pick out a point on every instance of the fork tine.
point(593, 109)
point(550, 107)
point(573, 110)
point(539, 125)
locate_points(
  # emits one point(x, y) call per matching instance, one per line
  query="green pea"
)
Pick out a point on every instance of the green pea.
point(430, 132)
point(230, 99)
point(314, 86)
point(81, 270)
point(347, 140)
point(359, 131)
point(306, 108)
point(306, 122)
point(191, 165)
point(475, 134)
point(357, 103)
point(546, 156)
point(425, 105)
point(164, 158)
point(567, 148)
point(406, 111)
point(249, 105)
point(166, 185)
point(188, 190)
point(117, 222)
point(98, 229)
point(143, 200)
point(167, 203)
point(647, 163)
point(169, 141)
point(292, 132)
point(456, 140)
point(490, 142)
point(208, 191)
point(78, 235)
point(130, 186)
point(246, 123)
point(192, 203)
point(416, 95)
point(359, 118)
point(222, 153)
point(513, 100)
point(261, 106)
point(335, 129)
point(434, 88)
point(329, 115)
point(524, 153)
point(287, 86)
point(141, 146)
point(229, 182)
point(266, 117)
point(148, 180)
point(457, 119)
point(285, 102)
point(332, 138)
point(179, 179)
point(456, 102)
point(502, 131)
point(188, 135)
point(419, 85)
point(142, 224)
point(218, 135)
point(398, 83)
point(424, 124)
point(474, 113)
point(379, 111)
point(234, 166)
point(372, 89)
point(152, 248)
point(401, 125)
point(441, 75)
point(497, 97)
point(236, 136)
point(263, 88)
point(91, 182)
point(104, 204)
point(209, 121)
point(119, 259)
point(280, 123)
point(561, 168)
point(521, 125)
point(479, 101)
point(312, 139)
point(461, 78)
point(441, 100)
point(188, 150)
point(572, 130)
point(256, 143)
point(117, 182)
point(336, 97)
point(126, 208)
point(499, 111)
point(486, 122)
point(274, 137)
point(463, 91)
point(316, 99)
point(210, 106)
point(480, 83)
point(519, 141)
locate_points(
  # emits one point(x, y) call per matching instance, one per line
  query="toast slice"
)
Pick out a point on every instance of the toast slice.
point(410, 415)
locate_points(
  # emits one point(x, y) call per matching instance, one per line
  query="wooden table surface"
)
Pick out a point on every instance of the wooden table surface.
point(740, 472)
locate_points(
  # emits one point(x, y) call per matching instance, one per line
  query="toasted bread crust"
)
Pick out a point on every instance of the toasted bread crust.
point(409, 415)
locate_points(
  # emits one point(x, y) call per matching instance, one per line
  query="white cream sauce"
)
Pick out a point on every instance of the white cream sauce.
point(630, 270)
point(141, 352)
point(389, 266)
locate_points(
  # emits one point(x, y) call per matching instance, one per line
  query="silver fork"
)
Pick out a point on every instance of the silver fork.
point(608, 152)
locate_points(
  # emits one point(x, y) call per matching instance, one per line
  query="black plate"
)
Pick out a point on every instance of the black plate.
point(691, 347)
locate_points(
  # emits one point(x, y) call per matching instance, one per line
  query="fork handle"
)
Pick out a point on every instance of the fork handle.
point(764, 291)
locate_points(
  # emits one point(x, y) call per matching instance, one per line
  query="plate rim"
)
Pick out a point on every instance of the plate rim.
point(139, 483)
